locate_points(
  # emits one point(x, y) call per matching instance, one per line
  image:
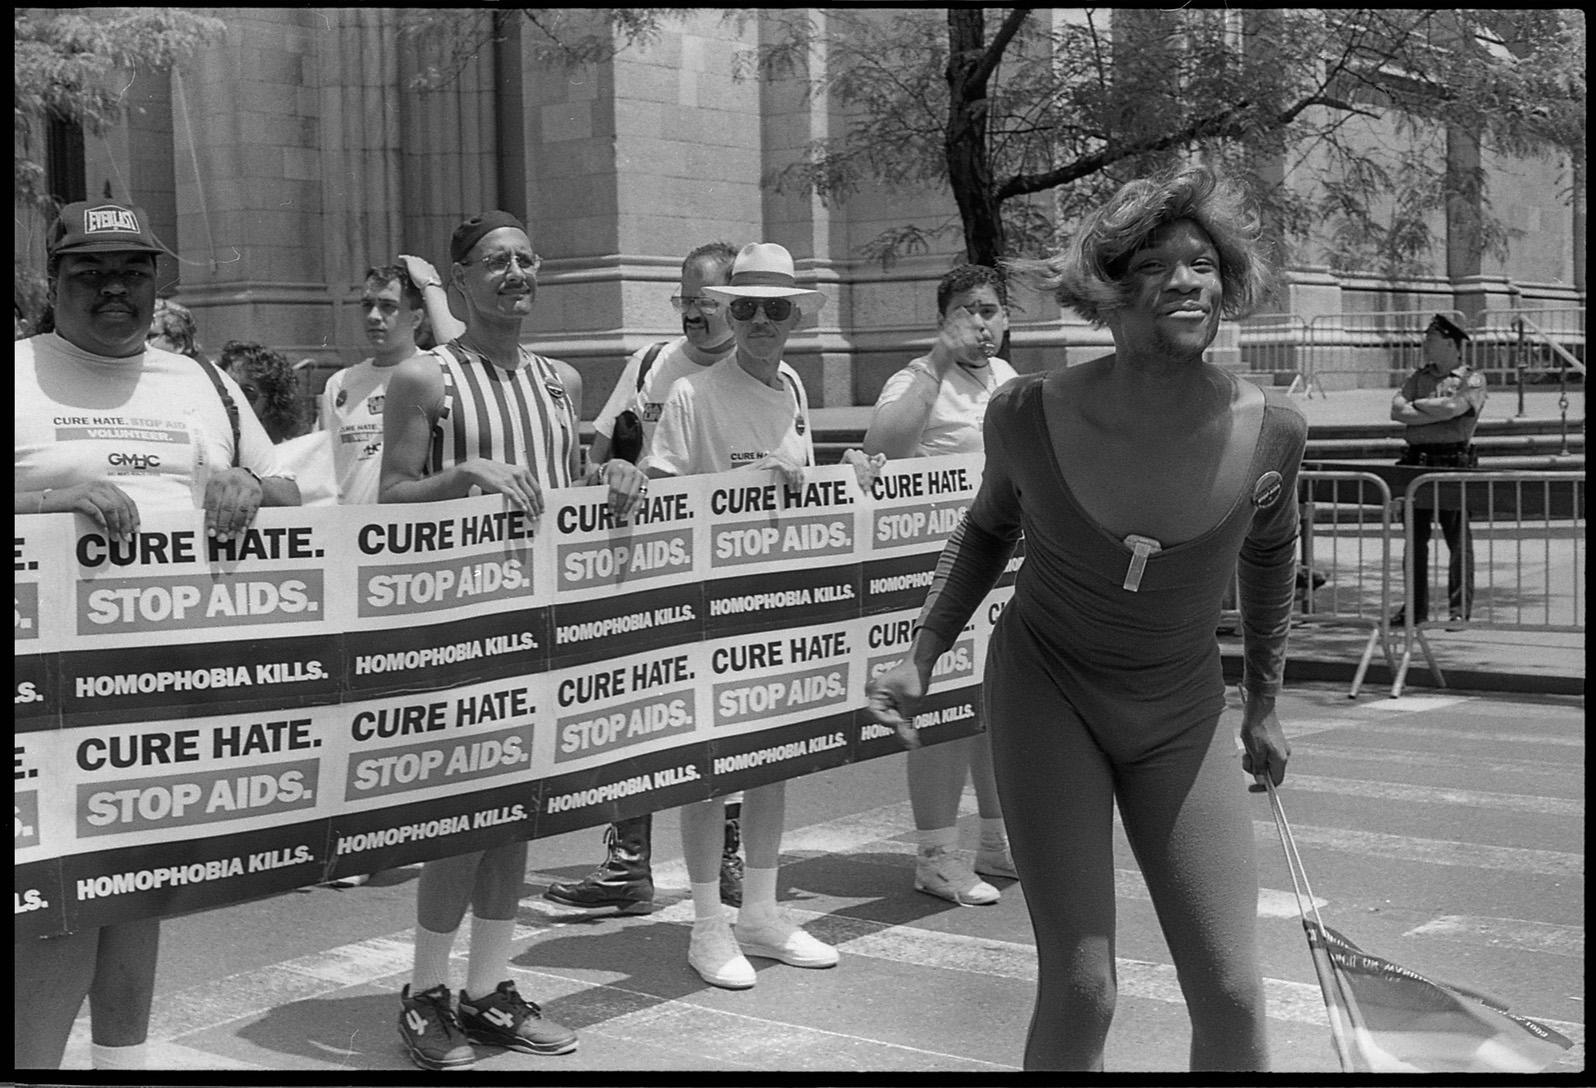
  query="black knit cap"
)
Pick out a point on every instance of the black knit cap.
point(1447, 328)
point(470, 232)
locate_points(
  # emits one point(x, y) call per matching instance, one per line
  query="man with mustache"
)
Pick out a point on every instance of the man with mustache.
point(624, 882)
point(174, 434)
point(483, 414)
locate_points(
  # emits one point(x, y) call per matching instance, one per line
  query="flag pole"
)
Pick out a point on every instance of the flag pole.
point(1335, 1000)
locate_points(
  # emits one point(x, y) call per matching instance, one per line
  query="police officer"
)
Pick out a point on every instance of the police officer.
point(1440, 406)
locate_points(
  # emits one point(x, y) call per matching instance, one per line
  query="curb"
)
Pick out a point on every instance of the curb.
point(1379, 676)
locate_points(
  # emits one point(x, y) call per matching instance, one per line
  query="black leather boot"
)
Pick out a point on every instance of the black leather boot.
point(731, 866)
point(624, 882)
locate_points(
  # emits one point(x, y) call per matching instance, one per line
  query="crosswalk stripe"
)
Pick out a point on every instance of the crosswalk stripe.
point(1562, 773)
point(1413, 704)
point(617, 1012)
point(1299, 1002)
point(1530, 936)
point(1492, 733)
point(1434, 851)
point(1128, 883)
point(1429, 795)
point(161, 1054)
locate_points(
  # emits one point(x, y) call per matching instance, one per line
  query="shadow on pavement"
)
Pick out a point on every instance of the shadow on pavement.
point(360, 1031)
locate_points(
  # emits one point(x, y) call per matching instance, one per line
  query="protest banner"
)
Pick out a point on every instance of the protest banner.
point(174, 744)
point(445, 676)
point(344, 689)
point(628, 622)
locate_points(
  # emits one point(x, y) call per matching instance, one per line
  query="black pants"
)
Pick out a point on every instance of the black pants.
point(1459, 570)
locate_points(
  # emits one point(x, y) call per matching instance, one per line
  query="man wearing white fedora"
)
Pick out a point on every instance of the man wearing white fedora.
point(749, 411)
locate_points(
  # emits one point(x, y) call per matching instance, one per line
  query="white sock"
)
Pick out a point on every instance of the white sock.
point(489, 964)
point(936, 839)
point(706, 901)
point(120, 1057)
point(993, 834)
point(759, 895)
point(432, 960)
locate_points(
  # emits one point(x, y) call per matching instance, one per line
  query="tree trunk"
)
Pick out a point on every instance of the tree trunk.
point(964, 140)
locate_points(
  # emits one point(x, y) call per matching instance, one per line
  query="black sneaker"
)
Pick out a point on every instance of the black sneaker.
point(505, 1018)
point(431, 1033)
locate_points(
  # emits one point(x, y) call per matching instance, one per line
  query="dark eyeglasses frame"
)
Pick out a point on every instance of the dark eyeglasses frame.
point(777, 309)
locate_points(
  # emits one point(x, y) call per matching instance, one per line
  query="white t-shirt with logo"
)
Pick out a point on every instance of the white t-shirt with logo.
point(671, 363)
point(152, 424)
point(722, 418)
point(954, 422)
point(350, 409)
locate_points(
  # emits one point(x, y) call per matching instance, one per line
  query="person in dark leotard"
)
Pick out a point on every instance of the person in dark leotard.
point(1141, 481)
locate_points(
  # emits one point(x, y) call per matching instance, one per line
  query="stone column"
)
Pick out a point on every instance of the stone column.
point(248, 172)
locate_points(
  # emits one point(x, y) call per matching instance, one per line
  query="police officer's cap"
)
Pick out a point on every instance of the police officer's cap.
point(1444, 325)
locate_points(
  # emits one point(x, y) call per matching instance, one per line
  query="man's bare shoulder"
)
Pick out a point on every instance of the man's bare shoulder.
point(416, 375)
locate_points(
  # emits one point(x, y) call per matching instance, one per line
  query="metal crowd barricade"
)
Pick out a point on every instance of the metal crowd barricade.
point(1526, 536)
point(1526, 341)
point(1274, 348)
point(1344, 565)
point(1369, 350)
point(1346, 542)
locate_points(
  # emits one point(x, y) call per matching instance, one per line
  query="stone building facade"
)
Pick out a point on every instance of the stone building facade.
point(284, 160)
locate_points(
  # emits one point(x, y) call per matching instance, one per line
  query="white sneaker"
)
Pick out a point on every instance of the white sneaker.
point(998, 862)
point(943, 873)
point(714, 954)
point(779, 939)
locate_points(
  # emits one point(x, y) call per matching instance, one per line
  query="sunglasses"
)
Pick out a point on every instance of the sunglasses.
point(702, 303)
point(777, 309)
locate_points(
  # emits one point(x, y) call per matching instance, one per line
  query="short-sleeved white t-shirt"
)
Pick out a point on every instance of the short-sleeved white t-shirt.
point(954, 422)
point(671, 363)
point(153, 424)
point(722, 418)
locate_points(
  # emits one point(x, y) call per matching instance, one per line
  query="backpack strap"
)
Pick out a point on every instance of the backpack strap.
point(798, 407)
point(227, 400)
point(648, 361)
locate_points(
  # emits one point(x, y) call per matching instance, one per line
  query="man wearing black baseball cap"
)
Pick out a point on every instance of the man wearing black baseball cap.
point(112, 428)
point(1440, 405)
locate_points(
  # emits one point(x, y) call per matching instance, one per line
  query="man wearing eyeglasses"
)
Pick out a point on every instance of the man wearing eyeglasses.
point(623, 883)
point(483, 414)
point(706, 339)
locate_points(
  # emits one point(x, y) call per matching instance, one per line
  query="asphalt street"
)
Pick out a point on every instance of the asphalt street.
point(1443, 830)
